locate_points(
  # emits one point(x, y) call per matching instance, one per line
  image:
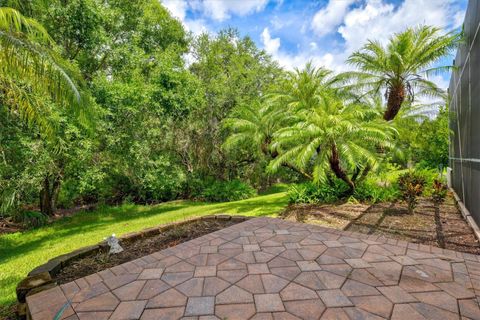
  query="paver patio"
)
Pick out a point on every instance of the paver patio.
point(268, 268)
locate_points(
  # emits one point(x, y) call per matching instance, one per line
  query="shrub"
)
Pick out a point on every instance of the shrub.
point(373, 191)
point(367, 191)
point(311, 192)
point(411, 186)
point(439, 191)
point(31, 219)
point(222, 191)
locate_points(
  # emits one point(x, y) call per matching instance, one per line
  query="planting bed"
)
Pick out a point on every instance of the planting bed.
point(443, 226)
point(140, 247)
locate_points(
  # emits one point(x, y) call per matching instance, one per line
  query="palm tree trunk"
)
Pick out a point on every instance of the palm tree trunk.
point(337, 168)
point(396, 96)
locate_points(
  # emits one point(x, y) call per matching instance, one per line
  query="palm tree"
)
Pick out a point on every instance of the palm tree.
point(329, 134)
point(32, 74)
point(256, 125)
point(402, 67)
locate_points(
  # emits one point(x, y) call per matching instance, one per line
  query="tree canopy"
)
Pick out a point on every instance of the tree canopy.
point(108, 101)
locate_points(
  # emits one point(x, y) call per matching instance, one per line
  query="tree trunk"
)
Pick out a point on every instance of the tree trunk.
point(396, 96)
point(355, 174)
point(337, 168)
point(45, 198)
point(49, 195)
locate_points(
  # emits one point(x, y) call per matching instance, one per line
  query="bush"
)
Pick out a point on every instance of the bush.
point(222, 191)
point(367, 191)
point(411, 186)
point(31, 219)
point(311, 192)
point(373, 191)
point(439, 191)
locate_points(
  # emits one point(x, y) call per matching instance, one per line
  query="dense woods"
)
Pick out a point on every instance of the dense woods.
point(113, 101)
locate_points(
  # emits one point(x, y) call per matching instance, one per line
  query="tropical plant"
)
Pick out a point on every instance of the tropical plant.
point(330, 134)
point(31, 71)
point(411, 187)
point(439, 191)
point(403, 66)
point(256, 126)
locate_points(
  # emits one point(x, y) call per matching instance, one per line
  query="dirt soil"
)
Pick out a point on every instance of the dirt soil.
point(139, 248)
point(337, 216)
point(441, 226)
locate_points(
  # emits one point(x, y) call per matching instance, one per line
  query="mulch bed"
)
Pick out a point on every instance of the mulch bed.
point(441, 226)
point(139, 248)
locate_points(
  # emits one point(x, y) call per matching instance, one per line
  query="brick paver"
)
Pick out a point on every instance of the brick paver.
point(273, 269)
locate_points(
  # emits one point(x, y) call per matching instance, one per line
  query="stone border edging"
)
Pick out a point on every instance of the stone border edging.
point(466, 214)
point(42, 277)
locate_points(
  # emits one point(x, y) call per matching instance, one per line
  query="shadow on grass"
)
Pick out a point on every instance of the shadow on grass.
point(83, 222)
point(14, 245)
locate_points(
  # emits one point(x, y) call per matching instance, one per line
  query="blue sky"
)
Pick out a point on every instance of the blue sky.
point(324, 31)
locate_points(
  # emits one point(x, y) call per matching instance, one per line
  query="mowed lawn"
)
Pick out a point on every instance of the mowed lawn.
point(21, 252)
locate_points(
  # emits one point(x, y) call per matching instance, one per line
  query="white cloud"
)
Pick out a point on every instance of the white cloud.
point(380, 20)
point(458, 19)
point(197, 26)
point(327, 19)
point(178, 8)
point(291, 61)
point(222, 10)
point(270, 45)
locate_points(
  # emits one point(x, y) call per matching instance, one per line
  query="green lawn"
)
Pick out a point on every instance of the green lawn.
point(21, 252)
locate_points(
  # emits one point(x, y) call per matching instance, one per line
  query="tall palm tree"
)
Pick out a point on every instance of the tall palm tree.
point(32, 74)
point(330, 134)
point(402, 67)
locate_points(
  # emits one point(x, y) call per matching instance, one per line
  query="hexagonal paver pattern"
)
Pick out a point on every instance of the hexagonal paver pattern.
point(273, 269)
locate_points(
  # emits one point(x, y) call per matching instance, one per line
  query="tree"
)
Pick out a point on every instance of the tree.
point(430, 143)
point(255, 126)
point(31, 69)
point(38, 86)
point(330, 133)
point(402, 67)
point(233, 73)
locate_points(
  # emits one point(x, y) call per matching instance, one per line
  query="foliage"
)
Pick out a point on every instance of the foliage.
point(311, 192)
point(330, 133)
point(32, 219)
point(373, 191)
point(411, 186)
point(370, 190)
point(439, 191)
point(32, 74)
point(430, 145)
point(234, 74)
point(403, 66)
point(222, 191)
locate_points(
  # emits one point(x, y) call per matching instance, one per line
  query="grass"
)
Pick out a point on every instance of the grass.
point(21, 252)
